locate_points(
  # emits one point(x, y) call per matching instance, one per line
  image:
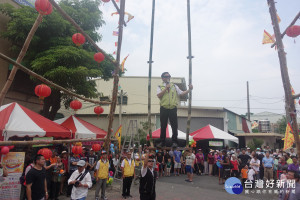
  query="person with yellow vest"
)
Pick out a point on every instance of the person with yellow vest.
point(102, 168)
point(168, 94)
point(128, 172)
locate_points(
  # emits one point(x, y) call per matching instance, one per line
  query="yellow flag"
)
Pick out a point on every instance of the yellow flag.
point(118, 136)
point(123, 63)
point(267, 38)
point(278, 18)
point(289, 137)
point(293, 93)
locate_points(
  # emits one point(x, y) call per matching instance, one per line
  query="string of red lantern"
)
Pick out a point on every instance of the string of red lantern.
point(42, 91)
point(98, 110)
point(293, 31)
point(75, 105)
point(78, 39)
point(44, 7)
point(99, 57)
point(47, 153)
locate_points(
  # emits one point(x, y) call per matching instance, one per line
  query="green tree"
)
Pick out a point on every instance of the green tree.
point(255, 143)
point(52, 53)
point(282, 125)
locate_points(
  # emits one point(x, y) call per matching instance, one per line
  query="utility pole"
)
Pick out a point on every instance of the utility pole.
point(289, 101)
point(150, 74)
point(248, 102)
point(120, 108)
point(190, 57)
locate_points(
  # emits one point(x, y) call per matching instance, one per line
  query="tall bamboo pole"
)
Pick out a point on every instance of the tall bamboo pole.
point(116, 77)
point(290, 105)
point(20, 58)
point(50, 83)
point(190, 57)
point(150, 73)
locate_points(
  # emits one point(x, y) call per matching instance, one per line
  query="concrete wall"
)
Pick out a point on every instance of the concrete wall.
point(270, 141)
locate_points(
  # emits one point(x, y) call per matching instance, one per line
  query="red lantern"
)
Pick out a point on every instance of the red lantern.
point(99, 57)
point(105, 1)
point(44, 7)
point(47, 153)
point(78, 39)
point(96, 147)
point(75, 105)
point(76, 150)
point(98, 110)
point(293, 31)
point(42, 91)
point(4, 150)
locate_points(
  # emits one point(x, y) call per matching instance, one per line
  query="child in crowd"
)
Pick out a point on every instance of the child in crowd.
point(169, 163)
point(244, 173)
point(283, 175)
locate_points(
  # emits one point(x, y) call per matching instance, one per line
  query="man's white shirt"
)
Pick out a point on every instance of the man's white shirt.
point(79, 192)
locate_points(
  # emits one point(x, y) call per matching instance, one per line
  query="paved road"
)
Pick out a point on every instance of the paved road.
point(175, 188)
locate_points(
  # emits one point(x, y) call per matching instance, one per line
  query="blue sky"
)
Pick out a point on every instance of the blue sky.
point(226, 43)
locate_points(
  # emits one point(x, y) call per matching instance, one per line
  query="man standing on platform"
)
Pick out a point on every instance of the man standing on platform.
point(168, 93)
point(128, 172)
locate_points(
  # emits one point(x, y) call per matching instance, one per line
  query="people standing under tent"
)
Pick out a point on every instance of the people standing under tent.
point(73, 167)
point(255, 164)
point(225, 162)
point(36, 183)
point(235, 164)
point(189, 167)
point(148, 179)
point(65, 161)
point(80, 181)
point(57, 173)
point(102, 168)
point(91, 163)
point(128, 173)
point(268, 163)
point(177, 161)
point(83, 155)
point(211, 162)
point(49, 166)
point(28, 164)
point(168, 93)
point(215, 167)
point(199, 162)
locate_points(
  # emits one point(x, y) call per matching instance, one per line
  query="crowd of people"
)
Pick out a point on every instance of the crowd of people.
point(60, 174)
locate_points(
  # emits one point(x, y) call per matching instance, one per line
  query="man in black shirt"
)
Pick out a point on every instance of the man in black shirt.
point(244, 158)
point(36, 184)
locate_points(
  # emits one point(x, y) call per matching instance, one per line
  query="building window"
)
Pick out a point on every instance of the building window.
point(124, 100)
point(105, 98)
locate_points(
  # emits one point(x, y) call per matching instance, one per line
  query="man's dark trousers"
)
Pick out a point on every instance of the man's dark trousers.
point(170, 114)
point(126, 185)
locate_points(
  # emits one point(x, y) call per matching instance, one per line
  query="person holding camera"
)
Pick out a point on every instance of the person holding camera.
point(81, 181)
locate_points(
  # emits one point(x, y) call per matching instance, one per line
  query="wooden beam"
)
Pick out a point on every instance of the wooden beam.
point(31, 142)
point(116, 76)
point(46, 81)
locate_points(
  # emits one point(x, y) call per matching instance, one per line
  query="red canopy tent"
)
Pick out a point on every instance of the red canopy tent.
point(211, 132)
point(16, 120)
point(80, 128)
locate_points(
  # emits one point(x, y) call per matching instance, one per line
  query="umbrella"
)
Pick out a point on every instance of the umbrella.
point(80, 128)
point(16, 120)
point(211, 132)
point(169, 133)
